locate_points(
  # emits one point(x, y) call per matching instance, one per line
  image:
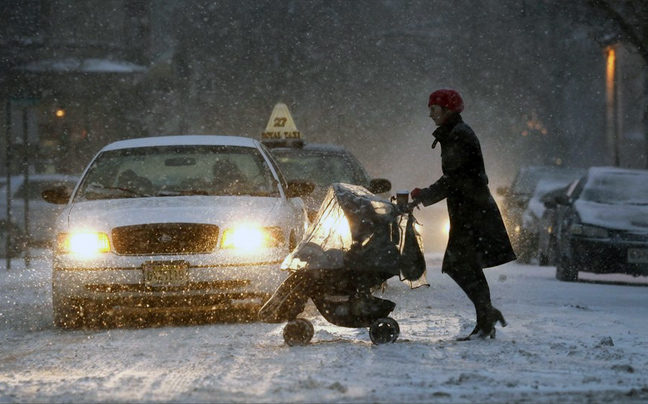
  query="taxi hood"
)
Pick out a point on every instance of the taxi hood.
point(218, 210)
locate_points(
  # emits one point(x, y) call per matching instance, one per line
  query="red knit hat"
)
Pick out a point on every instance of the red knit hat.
point(447, 98)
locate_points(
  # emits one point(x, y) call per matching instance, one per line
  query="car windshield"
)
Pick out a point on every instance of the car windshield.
point(617, 188)
point(176, 171)
point(323, 168)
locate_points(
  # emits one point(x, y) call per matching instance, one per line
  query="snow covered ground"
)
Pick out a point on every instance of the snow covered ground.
point(566, 342)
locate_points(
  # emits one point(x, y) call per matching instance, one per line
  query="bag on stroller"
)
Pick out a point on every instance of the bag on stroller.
point(356, 243)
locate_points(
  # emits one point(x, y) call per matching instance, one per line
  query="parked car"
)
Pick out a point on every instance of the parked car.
point(189, 224)
point(516, 200)
point(604, 224)
point(325, 164)
point(549, 224)
point(41, 215)
point(531, 222)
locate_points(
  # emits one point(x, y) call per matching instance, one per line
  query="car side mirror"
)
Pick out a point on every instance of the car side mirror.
point(550, 204)
point(58, 196)
point(299, 188)
point(379, 185)
point(562, 200)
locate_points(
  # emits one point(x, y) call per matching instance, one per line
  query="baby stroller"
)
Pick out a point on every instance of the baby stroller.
point(356, 243)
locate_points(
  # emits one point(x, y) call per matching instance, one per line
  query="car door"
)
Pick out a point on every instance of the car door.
point(295, 206)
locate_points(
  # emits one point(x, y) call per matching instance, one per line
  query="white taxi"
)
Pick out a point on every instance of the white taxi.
point(178, 223)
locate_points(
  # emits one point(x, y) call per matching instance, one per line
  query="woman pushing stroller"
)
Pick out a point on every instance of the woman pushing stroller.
point(337, 269)
point(478, 237)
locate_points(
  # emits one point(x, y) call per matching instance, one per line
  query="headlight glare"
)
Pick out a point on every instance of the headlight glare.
point(446, 227)
point(83, 244)
point(252, 237)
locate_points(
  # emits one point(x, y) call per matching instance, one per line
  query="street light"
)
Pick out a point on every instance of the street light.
point(611, 102)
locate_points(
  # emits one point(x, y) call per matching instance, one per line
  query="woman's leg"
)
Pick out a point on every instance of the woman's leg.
point(472, 281)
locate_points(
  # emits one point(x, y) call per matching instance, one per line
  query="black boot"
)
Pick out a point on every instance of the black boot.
point(473, 282)
point(493, 316)
point(486, 328)
point(472, 334)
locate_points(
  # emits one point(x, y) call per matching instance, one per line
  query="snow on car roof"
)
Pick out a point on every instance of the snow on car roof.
point(616, 186)
point(315, 147)
point(616, 170)
point(91, 65)
point(548, 185)
point(183, 140)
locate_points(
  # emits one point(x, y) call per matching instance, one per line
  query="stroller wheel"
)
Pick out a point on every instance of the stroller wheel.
point(298, 332)
point(384, 330)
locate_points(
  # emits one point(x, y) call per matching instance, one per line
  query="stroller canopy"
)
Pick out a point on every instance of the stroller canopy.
point(354, 230)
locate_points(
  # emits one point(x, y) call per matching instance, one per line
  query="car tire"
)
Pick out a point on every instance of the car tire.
point(543, 260)
point(552, 253)
point(17, 240)
point(526, 247)
point(566, 271)
point(523, 256)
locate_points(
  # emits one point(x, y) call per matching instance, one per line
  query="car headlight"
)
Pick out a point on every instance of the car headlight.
point(83, 244)
point(588, 231)
point(252, 237)
point(445, 229)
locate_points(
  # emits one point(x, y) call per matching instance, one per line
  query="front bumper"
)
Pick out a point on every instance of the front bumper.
point(605, 256)
point(210, 281)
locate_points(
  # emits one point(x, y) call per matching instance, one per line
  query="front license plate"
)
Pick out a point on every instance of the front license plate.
point(638, 255)
point(172, 273)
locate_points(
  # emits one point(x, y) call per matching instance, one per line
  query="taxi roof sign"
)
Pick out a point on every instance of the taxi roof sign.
point(281, 128)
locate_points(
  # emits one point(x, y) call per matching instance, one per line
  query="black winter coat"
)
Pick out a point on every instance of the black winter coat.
point(477, 232)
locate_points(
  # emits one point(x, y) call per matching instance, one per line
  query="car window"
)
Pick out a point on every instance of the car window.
point(323, 168)
point(176, 171)
point(617, 188)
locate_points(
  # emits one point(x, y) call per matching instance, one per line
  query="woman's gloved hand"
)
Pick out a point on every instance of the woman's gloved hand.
point(416, 193)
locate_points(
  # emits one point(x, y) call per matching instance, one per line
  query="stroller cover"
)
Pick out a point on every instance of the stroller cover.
point(359, 231)
point(357, 242)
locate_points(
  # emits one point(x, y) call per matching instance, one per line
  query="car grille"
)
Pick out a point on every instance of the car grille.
point(165, 238)
point(630, 236)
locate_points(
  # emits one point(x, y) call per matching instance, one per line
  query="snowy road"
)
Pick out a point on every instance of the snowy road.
point(581, 342)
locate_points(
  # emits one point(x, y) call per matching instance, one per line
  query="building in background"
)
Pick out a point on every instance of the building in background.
point(69, 77)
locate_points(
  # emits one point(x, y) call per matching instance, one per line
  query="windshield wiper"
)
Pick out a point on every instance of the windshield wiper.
point(126, 190)
point(187, 192)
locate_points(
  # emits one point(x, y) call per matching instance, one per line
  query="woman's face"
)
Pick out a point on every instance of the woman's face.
point(439, 114)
